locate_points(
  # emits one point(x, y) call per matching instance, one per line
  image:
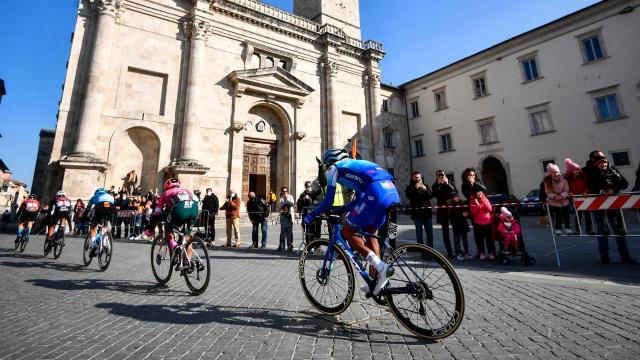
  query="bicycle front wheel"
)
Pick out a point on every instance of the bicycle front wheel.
point(105, 252)
point(425, 294)
point(199, 271)
point(330, 288)
point(161, 260)
point(58, 245)
point(86, 249)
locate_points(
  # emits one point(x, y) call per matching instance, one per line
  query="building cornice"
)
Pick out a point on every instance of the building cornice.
point(530, 38)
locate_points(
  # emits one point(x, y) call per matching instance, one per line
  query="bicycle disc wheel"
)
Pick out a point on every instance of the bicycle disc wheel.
point(105, 251)
point(425, 294)
point(330, 291)
point(199, 272)
point(58, 245)
point(161, 260)
point(86, 249)
point(23, 243)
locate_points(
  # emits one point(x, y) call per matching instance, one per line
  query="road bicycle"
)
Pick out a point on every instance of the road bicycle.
point(102, 247)
point(424, 294)
point(56, 242)
point(195, 268)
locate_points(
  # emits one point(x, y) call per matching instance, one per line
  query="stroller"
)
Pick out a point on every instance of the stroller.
point(507, 232)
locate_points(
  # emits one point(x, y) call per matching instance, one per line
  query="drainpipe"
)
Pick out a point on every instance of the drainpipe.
point(406, 116)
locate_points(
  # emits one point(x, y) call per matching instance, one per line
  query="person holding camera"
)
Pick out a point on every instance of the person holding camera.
point(258, 214)
point(231, 209)
point(442, 190)
point(419, 194)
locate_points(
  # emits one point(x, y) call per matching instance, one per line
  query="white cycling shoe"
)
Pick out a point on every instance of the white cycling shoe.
point(383, 279)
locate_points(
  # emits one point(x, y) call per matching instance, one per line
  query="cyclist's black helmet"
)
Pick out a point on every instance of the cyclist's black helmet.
point(32, 196)
point(332, 156)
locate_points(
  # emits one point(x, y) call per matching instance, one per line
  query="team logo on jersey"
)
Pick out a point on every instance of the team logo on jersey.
point(354, 178)
point(371, 198)
point(387, 185)
point(358, 208)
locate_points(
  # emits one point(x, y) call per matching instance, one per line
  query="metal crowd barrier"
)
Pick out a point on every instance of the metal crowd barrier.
point(609, 206)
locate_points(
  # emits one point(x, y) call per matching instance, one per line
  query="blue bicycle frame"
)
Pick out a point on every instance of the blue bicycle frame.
point(330, 255)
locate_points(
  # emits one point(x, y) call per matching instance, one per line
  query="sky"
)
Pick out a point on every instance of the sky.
point(419, 36)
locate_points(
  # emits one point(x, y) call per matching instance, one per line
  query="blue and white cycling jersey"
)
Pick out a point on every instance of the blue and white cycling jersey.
point(374, 188)
point(102, 198)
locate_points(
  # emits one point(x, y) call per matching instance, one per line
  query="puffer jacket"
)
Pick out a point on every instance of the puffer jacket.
point(610, 179)
point(577, 184)
point(553, 189)
point(481, 212)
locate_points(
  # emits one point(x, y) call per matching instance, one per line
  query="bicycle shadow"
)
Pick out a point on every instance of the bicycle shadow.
point(126, 286)
point(53, 265)
point(300, 323)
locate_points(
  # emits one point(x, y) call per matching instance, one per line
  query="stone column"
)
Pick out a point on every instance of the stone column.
point(333, 104)
point(377, 143)
point(198, 31)
point(108, 12)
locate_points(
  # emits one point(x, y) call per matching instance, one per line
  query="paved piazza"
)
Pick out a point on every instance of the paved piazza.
point(254, 308)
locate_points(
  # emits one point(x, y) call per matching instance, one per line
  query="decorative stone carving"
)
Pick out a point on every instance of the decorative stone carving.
point(261, 126)
point(248, 126)
point(237, 126)
point(299, 135)
point(113, 8)
point(373, 80)
point(197, 29)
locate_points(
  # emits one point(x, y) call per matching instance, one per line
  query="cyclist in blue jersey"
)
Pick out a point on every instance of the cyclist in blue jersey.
point(102, 202)
point(375, 192)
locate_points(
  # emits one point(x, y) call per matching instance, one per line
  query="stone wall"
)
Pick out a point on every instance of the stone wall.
point(45, 146)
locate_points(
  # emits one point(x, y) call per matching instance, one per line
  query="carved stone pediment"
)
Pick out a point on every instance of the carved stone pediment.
point(273, 82)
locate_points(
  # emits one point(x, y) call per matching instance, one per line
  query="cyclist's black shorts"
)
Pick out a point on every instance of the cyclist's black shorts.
point(53, 219)
point(102, 214)
point(27, 216)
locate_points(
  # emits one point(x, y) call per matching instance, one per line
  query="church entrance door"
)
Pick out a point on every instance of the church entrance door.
point(258, 167)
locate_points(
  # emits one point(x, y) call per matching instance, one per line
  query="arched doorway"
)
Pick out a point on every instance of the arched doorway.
point(136, 149)
point(494, 176)
point(266, 155)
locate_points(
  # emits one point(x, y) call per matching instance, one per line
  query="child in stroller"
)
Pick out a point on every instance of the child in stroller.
point(509, 237)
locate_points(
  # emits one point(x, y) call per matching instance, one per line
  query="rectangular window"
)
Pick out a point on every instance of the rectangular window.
point(388, 139)
point(608, 108)
point(547, 162)
point(620, 158)
point(440, 99)
point(487, 130)
point(530, 69)
point(480, 87)
point(540, 119)
point(592, 48)
point(385, 104)
point(419, 151)
point(415, 111)
point(445, 142)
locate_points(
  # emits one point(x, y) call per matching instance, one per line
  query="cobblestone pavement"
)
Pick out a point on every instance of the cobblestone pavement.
point(254, 309)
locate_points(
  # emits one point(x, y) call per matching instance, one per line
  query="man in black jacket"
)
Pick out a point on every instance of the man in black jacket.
point(606, 180)
point(258, 213)
point(122, 203)
point(442, 190)
point(419, 194)
point(308, 200)
point(210, 203)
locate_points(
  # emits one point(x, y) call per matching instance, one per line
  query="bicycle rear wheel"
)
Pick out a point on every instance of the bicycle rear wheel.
point(58, 244)
point(161, 260)
point(329, 290)
point(23, 243)
point(425, 294)
point(105, 251)
point(16, 244)
point(199, 271)
point(86, 249)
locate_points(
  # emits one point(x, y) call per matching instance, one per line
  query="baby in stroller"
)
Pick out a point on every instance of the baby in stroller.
point(509, 237)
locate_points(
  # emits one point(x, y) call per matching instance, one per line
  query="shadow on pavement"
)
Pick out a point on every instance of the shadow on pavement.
point(264, 254)
point(125, 286)
point(300, 323)
point(54, 265)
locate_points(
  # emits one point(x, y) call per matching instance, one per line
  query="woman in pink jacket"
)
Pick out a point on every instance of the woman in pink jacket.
point(481, 208)
point(557, 189)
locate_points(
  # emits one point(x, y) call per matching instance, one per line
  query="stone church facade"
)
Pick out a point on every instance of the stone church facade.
point(228, 94)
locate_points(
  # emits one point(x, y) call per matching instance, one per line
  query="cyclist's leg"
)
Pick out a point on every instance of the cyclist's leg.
point(20, 229)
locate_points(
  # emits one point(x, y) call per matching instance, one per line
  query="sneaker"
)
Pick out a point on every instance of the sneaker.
point(492, 256)
point(364, 288)
point(460, 257)
point(568, 232)
point(469, 257)
point(383, 279)
point(263, 246)
point(481, 256)
point(557, 232)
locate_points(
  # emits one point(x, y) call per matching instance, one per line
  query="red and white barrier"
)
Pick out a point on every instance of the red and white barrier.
point(607, 202)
